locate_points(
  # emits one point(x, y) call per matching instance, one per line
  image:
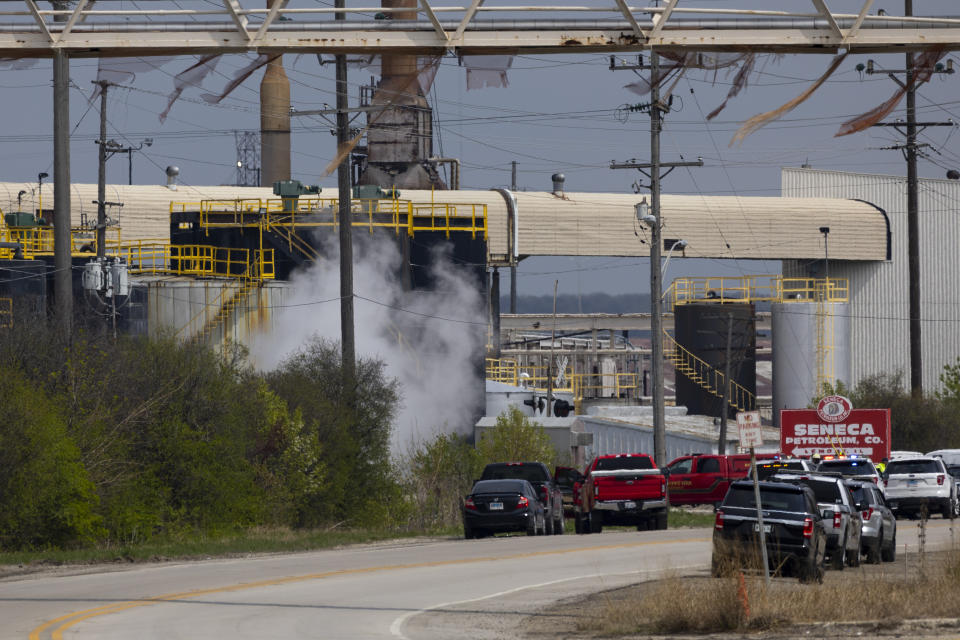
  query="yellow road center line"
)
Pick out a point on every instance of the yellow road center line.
point(71, 619)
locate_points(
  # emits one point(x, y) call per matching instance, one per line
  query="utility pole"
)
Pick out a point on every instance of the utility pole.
point(725, 405)
point(62, 259)
point(348, 353)
point(913, 214)
point(102, 174)
point(553, 338)
point(513, 268)
point(657, 110)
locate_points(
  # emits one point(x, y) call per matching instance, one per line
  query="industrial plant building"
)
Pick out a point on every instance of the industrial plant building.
point(837, 312)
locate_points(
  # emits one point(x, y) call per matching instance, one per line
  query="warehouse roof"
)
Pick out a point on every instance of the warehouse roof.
point(572, 224)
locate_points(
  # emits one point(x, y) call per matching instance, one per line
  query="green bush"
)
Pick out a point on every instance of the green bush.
point(47, 496)
point(516, 438)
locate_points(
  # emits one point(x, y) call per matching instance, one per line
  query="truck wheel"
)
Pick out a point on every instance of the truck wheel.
point(662, 520)
point(547, 525)
point(853, 557)
point(596, 522)
point(839, 557)
point(577, 523)
point(468, 533)
point(558, 526)
point(889, 554)
point(873, 551)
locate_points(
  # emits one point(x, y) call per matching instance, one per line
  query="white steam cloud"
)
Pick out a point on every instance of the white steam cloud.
point(429, 340)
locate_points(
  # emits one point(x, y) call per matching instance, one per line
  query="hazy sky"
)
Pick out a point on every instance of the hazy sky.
point(559, 113)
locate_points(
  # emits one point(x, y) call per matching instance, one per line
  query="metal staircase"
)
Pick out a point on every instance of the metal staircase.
point(247, 285)
point(256, 271)
point(705, 376)
point(297, 247)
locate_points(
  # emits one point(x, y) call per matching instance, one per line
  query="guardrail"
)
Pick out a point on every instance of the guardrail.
point(397, 215)
point(752, 289)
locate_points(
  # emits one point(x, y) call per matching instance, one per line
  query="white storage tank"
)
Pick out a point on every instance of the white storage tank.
point(795, 357)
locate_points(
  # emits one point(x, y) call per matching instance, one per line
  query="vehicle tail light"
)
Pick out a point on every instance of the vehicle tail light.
point(868, 514)
point(718, 521)
point(469, 504)
point(875, 480)
point(596, 490)
point(836, 519)
point(523, 503)
point(941, 478)
point(545, 494)
point(807, 527)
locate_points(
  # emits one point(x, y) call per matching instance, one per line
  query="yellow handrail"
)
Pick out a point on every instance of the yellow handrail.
point(397, 215)
point(751, 289)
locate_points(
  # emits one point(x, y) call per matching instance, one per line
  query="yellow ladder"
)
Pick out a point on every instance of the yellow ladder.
point(824, 338)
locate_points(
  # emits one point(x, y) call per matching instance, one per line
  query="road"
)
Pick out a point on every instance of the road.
point(374, 591)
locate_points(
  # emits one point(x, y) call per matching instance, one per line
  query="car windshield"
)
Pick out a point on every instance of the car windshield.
point(848, 467)
point(860, 495)
point(825, 491)
point(913, 466)
point(531, 472)
point(625, 462)
point(498, 486)
point(789, 500)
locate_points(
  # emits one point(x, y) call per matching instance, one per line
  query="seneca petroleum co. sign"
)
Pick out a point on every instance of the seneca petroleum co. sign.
point(835, 427)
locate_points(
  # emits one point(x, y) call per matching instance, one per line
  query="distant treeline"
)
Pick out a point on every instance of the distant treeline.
point(588, 303)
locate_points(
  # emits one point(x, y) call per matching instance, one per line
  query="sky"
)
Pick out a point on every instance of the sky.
point(560, 113)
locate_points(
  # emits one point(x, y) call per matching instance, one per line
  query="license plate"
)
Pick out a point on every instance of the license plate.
point(496, 506)
point(766, 527)
point(912, 483)
point(629, 505)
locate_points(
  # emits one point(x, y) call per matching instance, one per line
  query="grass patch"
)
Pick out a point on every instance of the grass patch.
point(885, 594)
point(257, 540)
point(685, 518)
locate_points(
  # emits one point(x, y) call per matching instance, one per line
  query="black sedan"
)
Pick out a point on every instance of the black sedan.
point(502, 505)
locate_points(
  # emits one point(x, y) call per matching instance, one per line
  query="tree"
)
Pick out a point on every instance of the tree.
point(359, 484)
point(46, 496)
point(918, 423)
point(436, 476)
point(516, 438)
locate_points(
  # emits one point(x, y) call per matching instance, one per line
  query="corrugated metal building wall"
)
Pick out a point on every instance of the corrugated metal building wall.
point(879, 303)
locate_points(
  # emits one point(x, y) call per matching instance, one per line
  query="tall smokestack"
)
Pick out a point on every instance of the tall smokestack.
point(274, 123)
point(400, 140)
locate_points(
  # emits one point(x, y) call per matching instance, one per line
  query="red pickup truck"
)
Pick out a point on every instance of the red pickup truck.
point(705, 478)
point(622, 489)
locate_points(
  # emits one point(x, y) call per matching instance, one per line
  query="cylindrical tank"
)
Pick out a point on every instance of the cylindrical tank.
point(274, 123)
point(795, 351)
point(703, 328)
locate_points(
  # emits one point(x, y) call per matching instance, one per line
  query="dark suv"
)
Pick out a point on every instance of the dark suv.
point(537, 474)
point(841, 514)
point(796, 540)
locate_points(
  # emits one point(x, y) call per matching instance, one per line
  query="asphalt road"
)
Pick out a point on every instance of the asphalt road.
point(368, 592)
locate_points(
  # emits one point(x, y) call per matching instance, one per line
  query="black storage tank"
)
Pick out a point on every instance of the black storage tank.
point(702, 328)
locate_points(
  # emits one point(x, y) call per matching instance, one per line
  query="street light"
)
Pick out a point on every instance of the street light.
point(40, 178)
point(826, 264)
point(678, 244)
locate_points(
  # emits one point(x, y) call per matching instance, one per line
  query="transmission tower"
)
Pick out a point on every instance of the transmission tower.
point(248, 158)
